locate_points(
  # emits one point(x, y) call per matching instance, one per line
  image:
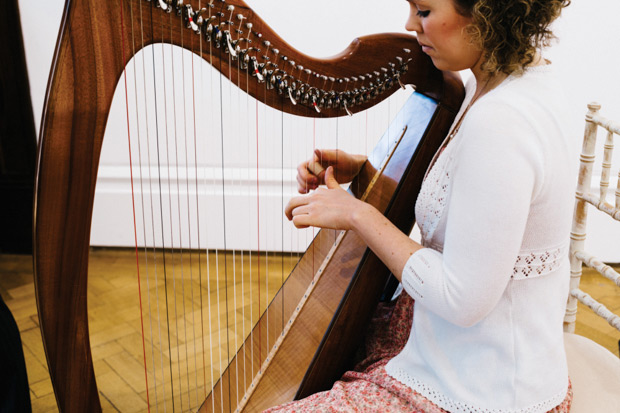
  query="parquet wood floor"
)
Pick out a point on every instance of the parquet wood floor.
point(115, 327)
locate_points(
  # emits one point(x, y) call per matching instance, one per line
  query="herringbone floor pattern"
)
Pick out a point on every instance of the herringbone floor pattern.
point(115, 328)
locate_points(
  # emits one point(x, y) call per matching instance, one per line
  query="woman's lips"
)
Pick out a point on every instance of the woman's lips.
point(426, 48)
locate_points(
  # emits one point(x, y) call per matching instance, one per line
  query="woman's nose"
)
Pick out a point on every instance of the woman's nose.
point(413, 23)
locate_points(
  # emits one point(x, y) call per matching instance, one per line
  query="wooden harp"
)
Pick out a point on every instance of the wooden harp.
point(97, 39)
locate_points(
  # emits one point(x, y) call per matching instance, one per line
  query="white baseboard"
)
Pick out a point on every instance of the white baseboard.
point(174, 207)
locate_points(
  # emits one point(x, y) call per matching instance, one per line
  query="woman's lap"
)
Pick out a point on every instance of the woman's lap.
point(368, 388)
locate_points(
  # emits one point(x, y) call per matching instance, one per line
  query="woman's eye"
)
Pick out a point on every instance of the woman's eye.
point(423, 13)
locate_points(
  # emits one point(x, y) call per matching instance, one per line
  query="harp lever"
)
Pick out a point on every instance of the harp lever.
point(164, 6)
point(315, 105)
point(231, 48)
point(346, 108)
point(256, 70)
point(290, 95)
point(189, 16)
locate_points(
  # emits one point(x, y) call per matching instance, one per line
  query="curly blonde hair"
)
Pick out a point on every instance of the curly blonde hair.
point(510, 31)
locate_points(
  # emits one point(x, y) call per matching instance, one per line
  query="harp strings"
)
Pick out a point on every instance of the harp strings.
point(243, 135)
point(250, 140)
point(235, 134)
point(208, 255)
point(200, 274)
point(133, 204)
point(170, 201)
point(173, 263)
point(187, 149)
point(212, 346)
point(200, 290)
point(165, 259)
point(152, 216)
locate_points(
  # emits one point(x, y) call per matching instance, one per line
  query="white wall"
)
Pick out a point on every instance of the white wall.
point(586, 56)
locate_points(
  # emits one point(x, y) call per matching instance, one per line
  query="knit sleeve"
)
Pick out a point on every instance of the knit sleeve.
point(497, 174)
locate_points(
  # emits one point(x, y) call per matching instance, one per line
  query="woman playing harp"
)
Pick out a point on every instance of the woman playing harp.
point(91, 58)
point(479, 324)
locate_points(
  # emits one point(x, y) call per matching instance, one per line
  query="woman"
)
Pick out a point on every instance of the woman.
point(490, 280)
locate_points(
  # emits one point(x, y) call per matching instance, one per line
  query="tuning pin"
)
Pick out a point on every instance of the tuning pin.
point(240, 17)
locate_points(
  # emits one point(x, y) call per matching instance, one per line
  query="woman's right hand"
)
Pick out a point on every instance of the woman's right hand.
point(346, 167)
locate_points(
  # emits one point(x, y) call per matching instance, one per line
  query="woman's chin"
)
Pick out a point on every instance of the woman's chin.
point(446, 66)
point(439, 64)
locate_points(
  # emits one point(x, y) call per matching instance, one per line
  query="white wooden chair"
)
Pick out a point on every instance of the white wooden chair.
point(594, 371)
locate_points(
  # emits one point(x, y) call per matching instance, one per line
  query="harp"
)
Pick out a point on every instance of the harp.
point(97, 40)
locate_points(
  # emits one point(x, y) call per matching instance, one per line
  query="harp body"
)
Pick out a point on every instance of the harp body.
point(95, 44)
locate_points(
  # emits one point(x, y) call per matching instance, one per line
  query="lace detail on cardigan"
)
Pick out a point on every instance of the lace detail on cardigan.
point(433, 196)
point(536, 264)
point(455, 406)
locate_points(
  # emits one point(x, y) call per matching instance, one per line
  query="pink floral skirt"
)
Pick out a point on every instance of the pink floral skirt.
point(368, 388)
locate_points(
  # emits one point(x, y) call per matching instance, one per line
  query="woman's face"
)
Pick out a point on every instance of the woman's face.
point(441, 33)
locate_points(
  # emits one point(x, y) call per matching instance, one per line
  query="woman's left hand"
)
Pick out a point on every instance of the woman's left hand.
point(330, 207)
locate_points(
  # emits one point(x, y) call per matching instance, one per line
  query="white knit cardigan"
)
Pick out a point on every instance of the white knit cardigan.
point(491, 284)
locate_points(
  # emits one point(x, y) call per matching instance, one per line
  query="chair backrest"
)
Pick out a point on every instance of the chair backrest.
point(584, 197)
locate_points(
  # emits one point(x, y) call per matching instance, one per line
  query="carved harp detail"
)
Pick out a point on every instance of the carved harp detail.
point(94, 45)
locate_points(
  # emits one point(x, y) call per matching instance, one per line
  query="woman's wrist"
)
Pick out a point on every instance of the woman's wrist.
point(360, 160)
point(389, 243)
point(362, 215)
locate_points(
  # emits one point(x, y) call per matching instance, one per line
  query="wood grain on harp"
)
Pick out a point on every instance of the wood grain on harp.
point(91, 57)
point(270, 61)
